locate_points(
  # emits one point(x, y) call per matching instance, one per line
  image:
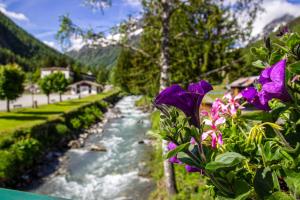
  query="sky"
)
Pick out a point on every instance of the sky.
point(41, 17)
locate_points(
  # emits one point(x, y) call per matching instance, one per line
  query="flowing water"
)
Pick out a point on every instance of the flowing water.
point(112, 174)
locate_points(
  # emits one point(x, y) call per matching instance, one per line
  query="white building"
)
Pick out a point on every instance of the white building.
point(66, 71)
point(85, 88)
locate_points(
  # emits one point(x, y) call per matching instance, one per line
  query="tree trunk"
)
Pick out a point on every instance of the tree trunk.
point(7, 105)
point(60, 99)
point(170, 181)
point(48, 98)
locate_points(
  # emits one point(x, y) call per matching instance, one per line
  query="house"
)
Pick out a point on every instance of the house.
point(85, 87)
point(238, 85)
point(88, 76)
point(66, 71)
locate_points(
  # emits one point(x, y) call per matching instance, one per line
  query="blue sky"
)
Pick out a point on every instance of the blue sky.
point(41, 17)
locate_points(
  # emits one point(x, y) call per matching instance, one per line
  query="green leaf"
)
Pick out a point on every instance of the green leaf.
point(263, 182)
point(257, 115)
point(293, 180)
point(243, 196)
point(177, 149)
point(225, 160)
point(259, 64)
point(293, 40)
point(183, 157)
point(279, 196)
point(275, 57)
point(295, 67)
point(261, 52)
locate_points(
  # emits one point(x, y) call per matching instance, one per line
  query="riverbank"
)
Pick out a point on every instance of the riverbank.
point(46, 129)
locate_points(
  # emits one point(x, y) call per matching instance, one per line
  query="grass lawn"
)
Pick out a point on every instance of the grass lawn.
point(27, 117)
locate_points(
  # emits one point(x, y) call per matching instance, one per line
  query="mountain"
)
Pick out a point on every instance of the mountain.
point(16, 45)
point(100, 56)
point(274, 25)
point(105, 53)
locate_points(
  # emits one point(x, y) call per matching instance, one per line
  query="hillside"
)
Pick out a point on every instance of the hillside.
point(16, 45)
point(97, 57)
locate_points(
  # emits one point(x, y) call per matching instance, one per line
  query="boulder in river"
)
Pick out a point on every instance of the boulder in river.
point(98, 147)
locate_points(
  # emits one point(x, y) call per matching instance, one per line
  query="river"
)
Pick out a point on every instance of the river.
point(112, 174)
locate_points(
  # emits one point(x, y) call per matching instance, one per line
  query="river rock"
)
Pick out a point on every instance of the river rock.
point(74, 144)
point(141, 142)
point(84, 135)
point(98, 147)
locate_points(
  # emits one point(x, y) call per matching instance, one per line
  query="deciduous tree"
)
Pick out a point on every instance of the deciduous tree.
point(11, 83)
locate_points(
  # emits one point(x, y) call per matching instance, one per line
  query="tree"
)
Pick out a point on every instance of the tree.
point(60, 83)
point(11, 83)
point(102, 75)
point(46, 85)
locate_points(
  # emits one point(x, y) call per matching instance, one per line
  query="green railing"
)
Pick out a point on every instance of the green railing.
point(6, 194)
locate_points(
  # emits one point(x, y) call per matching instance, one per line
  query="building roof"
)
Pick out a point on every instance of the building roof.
point(86, 82)
point(244, 82)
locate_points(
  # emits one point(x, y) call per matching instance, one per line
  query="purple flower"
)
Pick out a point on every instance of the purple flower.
point(188, 101)
point(191, 169)
point(272, 80)
point(173, 159)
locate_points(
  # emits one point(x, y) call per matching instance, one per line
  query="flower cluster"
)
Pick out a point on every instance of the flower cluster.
point(220, 109)
point(266, 166)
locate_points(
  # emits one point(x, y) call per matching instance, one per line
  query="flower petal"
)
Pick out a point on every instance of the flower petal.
point(278, 72)
point(171, 146)
point(208, 122)
point(249, 93)
point(206, 134)
point(213, 140)
point(202, 87)
point(219, 121)
point(192, 169)
point(265, 76)
point(220, 139)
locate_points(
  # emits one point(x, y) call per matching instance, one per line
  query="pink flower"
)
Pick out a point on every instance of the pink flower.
point(214, 132)
point(232, 104)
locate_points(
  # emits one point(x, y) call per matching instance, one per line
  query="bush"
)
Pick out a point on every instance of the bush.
point(5, 143)
point(62, 129)
point(7, 164)
point(76, 123)
point(26, 151)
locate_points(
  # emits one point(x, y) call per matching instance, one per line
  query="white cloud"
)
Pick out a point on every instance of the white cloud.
point(11, 14)
point(133, 3)
point(274, 9)
point(76, 43)
point(50, 44)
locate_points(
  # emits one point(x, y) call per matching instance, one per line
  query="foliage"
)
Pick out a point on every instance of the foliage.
point(11, 82)
point(55, 82)
point(47, 86)
point(62, 129)
point(243, 157)
point(60, 83)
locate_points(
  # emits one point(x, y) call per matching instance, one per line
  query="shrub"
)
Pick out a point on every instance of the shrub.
point(7, 164)
point(26, 151)
point(6, 142)
point(62, 129)
point(76, 123)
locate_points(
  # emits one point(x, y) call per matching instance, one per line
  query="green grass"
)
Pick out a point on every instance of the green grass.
point(28, 117)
